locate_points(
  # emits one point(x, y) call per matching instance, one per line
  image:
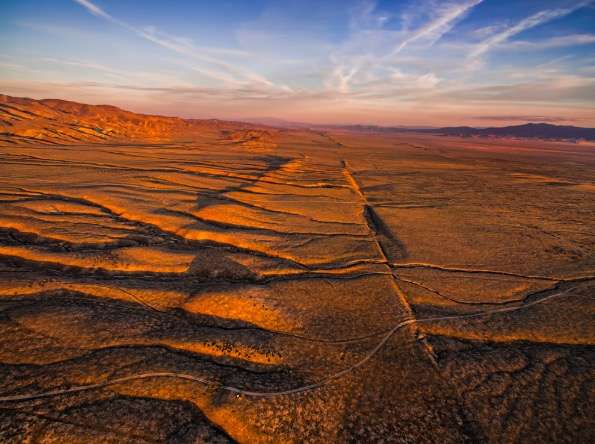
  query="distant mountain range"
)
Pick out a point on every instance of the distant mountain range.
point(24, 120)
point(529, 130)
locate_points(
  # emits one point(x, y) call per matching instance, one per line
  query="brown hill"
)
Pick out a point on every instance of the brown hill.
point(257, 139)
point(51, 121)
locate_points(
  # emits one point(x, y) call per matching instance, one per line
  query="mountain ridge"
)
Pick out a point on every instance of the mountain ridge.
point(57, 121)
point(527, 130)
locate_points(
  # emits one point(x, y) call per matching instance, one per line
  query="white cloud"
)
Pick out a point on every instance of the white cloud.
point(364, 16)
point(486, 31)
point(371, 53)
point(532, 21)
point(429, 80)
point(445, 17)
point(94, 9)
point(553, 42)
point(226, 72)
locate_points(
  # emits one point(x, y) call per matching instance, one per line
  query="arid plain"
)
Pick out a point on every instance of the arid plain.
point(219, 283)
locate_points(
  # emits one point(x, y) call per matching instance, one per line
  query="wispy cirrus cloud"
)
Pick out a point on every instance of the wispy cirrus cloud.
point(153, 77)
point(371, 53)
point(532, 21)
point(364, 16)
point(95, 10)
point(524, 118)
point(555, 89)
point(553, 42)
point(224, 71)
point(445, 16)
point(85, 64)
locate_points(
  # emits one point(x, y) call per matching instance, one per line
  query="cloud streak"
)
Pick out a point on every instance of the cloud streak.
point(446, 17)
point(524, 118)
point(532, 21)
point(367, 57)
point(227, 73)
point(95, 10)
point(554, 42)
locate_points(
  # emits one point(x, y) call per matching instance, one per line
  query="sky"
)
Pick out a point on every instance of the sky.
point(382, 62)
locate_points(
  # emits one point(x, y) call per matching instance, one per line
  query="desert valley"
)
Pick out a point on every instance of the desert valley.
point(166, 280)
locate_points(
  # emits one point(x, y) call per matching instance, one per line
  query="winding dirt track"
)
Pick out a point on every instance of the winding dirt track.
point(303, 388)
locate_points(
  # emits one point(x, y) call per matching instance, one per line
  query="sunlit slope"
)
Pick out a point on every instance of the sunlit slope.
point(52, 121)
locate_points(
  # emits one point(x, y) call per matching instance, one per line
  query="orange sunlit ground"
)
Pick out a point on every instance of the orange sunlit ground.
point(268, 285)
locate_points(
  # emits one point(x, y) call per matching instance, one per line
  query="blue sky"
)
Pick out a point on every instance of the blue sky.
point(389, 62)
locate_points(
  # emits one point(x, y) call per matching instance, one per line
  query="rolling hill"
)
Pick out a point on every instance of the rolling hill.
point(529, 130)
point(52, 121)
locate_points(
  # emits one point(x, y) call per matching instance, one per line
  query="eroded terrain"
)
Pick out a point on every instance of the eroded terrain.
point(315, 288)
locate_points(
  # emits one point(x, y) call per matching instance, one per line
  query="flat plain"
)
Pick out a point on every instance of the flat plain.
point(311, 287)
